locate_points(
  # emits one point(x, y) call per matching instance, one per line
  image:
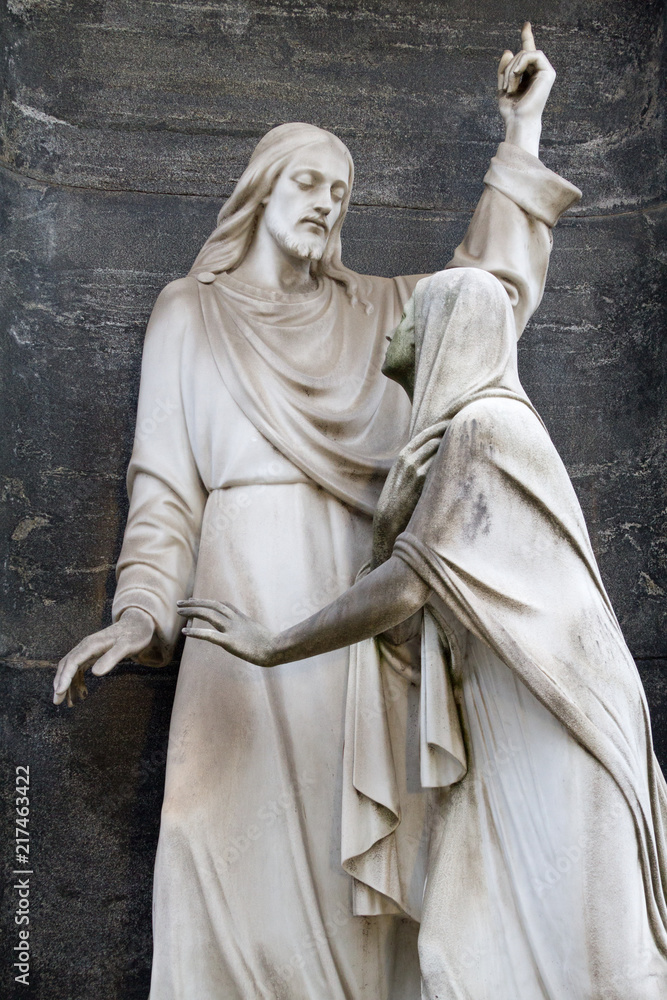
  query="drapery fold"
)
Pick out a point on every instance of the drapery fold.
point(399, 738)
point(308, 382)
point(499, 537)
point(259, 342)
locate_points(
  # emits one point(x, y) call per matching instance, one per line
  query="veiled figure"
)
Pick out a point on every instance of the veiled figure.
point(541, 829)
point(262, 484)
point(548, 861)
point(265, 431)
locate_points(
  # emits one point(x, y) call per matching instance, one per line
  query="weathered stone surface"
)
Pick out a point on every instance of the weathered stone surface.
point(96, 778)
point(122, 127)
point(172, 97)
point(594, 362)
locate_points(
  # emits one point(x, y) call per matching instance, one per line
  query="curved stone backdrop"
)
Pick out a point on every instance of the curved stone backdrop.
point(123, 126)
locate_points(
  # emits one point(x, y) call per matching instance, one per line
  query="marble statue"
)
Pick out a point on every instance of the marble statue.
point(547, 866)
point(260, 484)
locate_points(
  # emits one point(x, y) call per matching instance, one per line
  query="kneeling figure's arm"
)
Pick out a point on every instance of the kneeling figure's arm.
point(379, 601)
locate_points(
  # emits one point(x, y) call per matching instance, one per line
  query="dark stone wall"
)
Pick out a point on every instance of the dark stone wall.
point(124, 124)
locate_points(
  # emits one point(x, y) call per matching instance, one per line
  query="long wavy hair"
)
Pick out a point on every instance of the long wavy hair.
point(237, 220)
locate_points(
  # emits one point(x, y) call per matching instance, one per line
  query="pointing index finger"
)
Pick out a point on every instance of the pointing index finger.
point(527, 40)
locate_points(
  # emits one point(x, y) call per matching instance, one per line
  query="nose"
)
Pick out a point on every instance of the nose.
point(324, 202)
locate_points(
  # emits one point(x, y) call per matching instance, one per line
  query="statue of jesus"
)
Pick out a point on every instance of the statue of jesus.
point(258, 480)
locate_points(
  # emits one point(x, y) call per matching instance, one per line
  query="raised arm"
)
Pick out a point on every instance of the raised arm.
point(510, 232)
point(524, 84)
point(379, 601)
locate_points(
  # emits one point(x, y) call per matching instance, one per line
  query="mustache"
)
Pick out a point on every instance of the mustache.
point(316, 220)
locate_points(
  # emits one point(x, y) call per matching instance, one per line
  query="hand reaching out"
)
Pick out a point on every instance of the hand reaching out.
point(234, 631)
point(524, 84)
point(401, 492)
point(373, 604)
point(127, 637)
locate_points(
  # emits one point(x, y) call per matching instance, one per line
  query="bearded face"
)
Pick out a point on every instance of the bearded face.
point(306, 201)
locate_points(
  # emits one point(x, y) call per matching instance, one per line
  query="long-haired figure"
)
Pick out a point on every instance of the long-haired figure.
point(265, 431)
point(230, 241)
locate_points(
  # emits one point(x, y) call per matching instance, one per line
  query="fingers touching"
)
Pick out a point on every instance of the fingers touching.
point(505, 59)
point(216, 614)
point(528, 60)
point(217, 638)
point(200, 602)
point(525, 62)
point(214, 618)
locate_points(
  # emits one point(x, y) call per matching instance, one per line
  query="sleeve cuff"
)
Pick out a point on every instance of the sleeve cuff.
point(525, 180)
point(160, 649)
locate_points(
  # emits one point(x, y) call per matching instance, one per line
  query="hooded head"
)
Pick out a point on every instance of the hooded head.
point(455, 343)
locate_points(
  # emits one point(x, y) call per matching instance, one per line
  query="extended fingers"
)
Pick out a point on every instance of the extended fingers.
point(189, 608)
point(527, 40)
point(67, 667)
point(201, 602)
point(218, 619)
point(87, 650)
point(207, 634)
point(59, 696)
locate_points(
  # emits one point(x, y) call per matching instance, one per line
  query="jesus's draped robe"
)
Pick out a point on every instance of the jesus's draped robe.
point(265, 430)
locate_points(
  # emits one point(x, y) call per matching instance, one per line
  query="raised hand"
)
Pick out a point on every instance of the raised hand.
point(401, 492)
point(127, 637)
point(234, 631)
point(524, 84)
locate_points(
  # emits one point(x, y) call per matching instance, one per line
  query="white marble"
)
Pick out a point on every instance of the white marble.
point(257, 484)
point(533, 848)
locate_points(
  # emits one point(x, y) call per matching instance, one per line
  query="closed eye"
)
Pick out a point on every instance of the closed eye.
point(304, 181)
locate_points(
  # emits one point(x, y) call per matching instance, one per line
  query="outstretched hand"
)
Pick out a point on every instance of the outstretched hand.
point(130, 635)
point(234, 631)
point(524, 84)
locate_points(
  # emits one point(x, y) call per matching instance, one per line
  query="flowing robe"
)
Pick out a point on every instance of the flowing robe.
point(548, 861)
point(544, 849)
point(252, 479)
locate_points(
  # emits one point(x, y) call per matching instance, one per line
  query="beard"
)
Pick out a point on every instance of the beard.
point(307, 248)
